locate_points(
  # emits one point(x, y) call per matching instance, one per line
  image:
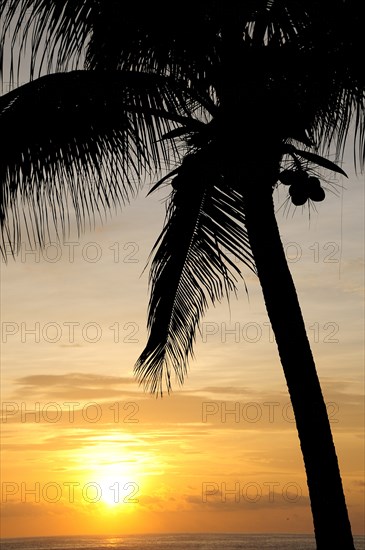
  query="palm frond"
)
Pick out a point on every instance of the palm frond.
point(302, 58)
point(68, 34)
point(191, 267)
point(86, 137)
point(56, 31)
point(333, 81)
point(314, 159)
point(343, 112)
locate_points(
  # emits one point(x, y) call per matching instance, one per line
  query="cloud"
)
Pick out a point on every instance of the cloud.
point(77, 438)
point(93, 400)
point(74, 385)
point(16, 509)
point(359, 483)
point(225, 390)
point(262, 497)
point(72, 378)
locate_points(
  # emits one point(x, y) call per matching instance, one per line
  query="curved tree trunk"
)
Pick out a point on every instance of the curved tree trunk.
point(330, 517)
point(255, 117)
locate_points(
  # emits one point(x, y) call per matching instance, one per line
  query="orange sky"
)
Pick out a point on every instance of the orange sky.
point(72, 329)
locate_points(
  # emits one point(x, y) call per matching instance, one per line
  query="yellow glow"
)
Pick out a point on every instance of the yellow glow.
point(117, 484)
point(116, 491)
point(111, 434)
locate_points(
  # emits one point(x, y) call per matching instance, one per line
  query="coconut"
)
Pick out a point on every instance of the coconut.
point(313, 182)
point(299, 195)
point(317, 194)
point(293, 177)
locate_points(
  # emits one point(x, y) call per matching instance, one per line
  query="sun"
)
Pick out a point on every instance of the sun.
point(117, 484)
point(112, 475)
point(116, 490)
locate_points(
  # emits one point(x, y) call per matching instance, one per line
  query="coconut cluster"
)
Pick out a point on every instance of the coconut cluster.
point(302, 186)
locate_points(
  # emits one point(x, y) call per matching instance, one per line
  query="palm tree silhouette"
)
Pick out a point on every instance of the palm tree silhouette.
point(253, 93)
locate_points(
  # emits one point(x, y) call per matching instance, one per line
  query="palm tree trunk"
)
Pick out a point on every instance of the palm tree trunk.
point(330, 517)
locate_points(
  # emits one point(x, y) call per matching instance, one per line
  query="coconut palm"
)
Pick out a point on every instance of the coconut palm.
point(232, 98)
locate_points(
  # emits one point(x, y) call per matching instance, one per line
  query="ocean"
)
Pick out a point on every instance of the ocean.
point(203, 541)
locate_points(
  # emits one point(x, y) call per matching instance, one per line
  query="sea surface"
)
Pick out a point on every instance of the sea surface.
point(204, 541)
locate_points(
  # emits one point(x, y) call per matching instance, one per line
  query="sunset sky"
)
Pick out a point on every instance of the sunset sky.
point(73, 324)
point(86, 451)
